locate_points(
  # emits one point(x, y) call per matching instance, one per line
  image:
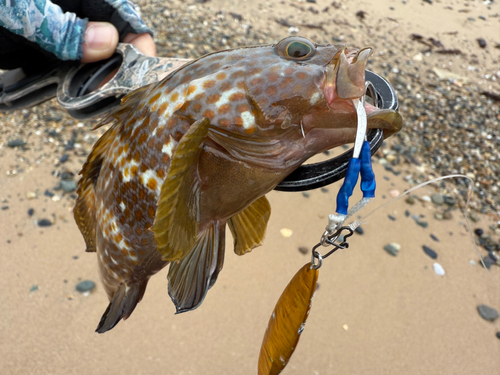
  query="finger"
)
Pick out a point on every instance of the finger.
point(101, 39)
point(143, 42)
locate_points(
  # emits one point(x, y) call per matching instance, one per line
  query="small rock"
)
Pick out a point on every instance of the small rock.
point(487, 313)
point(67, 175)
point(423, 224)
point(85, 286)
point(472, 263)
point(447, 215)
point(392, 218)
point(69, 185)
point(324, 190)
point(64, 158)
point(428, 1)
point(449, 200)
point(407, 213)
point(437, 199)
point(304, 250)
point(31, 211)
point(487, 262)
point(30, 195)
point(434, 238)
point(285, 232)
point(438, 216)
point(410, 199)
point(431, 253)
point(498, 335)
point(392, 248)
point(4, 208)
point(438, 269)
point(34, 288)
point(479, 232)
point(48, 193)
point(426, 198)
point(16, 143)
point(481, 42)
point(306, 194)
point(359, 230)
point(44, 223)
point(474, 217)
point(394, 193)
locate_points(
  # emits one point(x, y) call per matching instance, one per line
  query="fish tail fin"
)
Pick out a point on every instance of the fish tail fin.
point(122, 305)
point(190, 278)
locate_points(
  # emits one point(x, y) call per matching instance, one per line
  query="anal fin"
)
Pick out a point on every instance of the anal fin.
point(190, 278)
point(249, 226)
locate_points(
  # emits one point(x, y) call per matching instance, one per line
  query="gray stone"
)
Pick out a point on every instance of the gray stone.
point(306, 194)
point(44, 223)
point(392, 248)
point(68, 185)
point(437, 199)
point(487, 313)
point(85, 286)
point(303, 249)
point(431, 253)
point(16, 143)
point(410, 199)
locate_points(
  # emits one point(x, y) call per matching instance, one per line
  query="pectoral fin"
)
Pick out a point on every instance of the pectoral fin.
point(176, 223)
point(249, 226)
point(190, 278)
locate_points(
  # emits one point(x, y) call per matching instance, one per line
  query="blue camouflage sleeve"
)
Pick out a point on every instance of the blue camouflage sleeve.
point(61, 33)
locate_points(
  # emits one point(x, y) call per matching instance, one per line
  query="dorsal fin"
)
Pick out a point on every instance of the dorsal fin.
point(85, 210)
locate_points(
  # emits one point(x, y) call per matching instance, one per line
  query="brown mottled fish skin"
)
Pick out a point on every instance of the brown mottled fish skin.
point(268, 112)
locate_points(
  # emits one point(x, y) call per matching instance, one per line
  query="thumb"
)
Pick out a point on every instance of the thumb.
point(100, 41)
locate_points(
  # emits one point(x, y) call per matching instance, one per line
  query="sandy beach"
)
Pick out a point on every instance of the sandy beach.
point(373, 313)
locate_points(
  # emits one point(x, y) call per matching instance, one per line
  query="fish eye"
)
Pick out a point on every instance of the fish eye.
point(295, 48)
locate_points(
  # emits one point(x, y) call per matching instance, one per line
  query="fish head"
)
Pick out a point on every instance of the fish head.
point(296, 84)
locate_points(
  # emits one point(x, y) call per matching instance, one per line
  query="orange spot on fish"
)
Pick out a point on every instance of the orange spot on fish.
point(162, 109)
point(199, 96)
point(238, 121)
point(138, 215)
point(238, 74)
point(301, 75)
point(272, 77)
point(240, 85)
point(223, 109)
point(161, 174)
point(143, 138)
point(254, 71)
point(137, 157)
point(225, 86)
point(134, 170)
point(221, 76)
point(208, 84)
point(196, 107)
point(126, 172)
point(271, 90)
point(224, 122)
point(289, 71)
point(237, 97)
point(178, 106)
point(174, 97)
point(151, 212)
point(213, 98)
point(242, 108)
point(152, 183)
point(209, 114)
point(118, 238)
point(154, 98)
point(286, 82)
point(249, 130)
point(191, 89)
point(124, 252)
point(257, 81)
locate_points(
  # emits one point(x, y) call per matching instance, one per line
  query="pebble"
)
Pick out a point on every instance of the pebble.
point(426, 198)
point(498, 335)
point(438, 269)
point(324, 190)
point(392, 218)
point(478, 232)
point(16, 143)
point(394, 193)
point(472, 262)
point(359, 230)
point(303, 250)
point(306, 194)
point(437, 199)
point(487, 313)
point(85, 286)
point(285, 232)
point(34, 288)
point(69, 185)
point(392, 248)
point(431, 253)
point(48, 193)
point(423, 224)
point(449, 200)
point(438, 216)
point(481, 42)
point(447, 215)
point(407, 213)
point(43, 223)
point(434, 238)
point(64, 158)
point(31, 211)
point(487, 262)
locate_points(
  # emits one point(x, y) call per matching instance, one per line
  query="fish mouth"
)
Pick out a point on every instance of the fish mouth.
point(345, 81)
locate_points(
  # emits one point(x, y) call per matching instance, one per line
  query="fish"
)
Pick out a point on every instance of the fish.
point(197, 151)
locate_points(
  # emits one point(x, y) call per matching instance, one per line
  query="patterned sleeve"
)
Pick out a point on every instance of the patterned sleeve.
point(60, 33)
